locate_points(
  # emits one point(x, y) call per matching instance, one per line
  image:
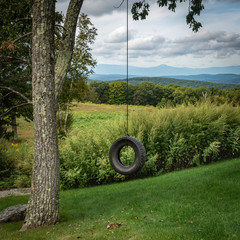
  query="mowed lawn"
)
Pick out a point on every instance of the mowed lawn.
point(198, 203)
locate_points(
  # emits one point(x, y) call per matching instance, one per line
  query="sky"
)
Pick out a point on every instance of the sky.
point(164, 37)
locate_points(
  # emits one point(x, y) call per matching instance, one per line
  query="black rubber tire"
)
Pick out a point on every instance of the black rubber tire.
point(114, 155)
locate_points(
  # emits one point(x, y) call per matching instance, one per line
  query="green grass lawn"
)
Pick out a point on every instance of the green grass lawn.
point(199, 203)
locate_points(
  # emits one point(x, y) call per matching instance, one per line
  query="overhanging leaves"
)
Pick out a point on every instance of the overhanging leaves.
point(140, 10)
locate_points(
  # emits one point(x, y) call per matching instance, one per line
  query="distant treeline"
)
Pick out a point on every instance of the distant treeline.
point(150, 93)
point(182, 82)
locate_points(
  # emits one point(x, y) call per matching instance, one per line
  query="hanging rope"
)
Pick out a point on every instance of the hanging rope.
point(127, 72)
point(127, 95)
point(128, 141)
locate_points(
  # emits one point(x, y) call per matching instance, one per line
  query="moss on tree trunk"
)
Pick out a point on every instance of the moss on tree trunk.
point(43, 206)
point(47, 81)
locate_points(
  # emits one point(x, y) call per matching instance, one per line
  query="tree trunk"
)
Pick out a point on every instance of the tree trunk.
point(67, 109)
point(43, 206)
point(14, 127)
point(67, 44)
point(60, 117)
point(66, 117)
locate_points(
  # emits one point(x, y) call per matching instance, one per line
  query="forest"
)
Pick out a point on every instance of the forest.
point(185, 82)
point(156, 94)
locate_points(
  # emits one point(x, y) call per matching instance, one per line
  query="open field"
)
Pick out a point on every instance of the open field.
point(199, 203)
point(85, 115)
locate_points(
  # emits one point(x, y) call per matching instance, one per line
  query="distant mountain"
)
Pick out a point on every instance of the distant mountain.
point(163, 70)
point(217, 78)
point(109, 77)
point(180, 82)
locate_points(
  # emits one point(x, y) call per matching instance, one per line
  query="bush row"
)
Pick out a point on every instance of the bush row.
point(15, 165)
point(177, 138)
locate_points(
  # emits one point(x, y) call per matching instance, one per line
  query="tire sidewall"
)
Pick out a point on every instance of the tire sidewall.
point(114, 155)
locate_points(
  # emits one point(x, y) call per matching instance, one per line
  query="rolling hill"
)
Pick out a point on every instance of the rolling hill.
point(180, 82)
point(164, 70)
point(219, 75)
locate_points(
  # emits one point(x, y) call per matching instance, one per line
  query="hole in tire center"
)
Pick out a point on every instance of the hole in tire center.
point(127, 156)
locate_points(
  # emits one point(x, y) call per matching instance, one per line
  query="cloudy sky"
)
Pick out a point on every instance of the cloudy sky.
point(164, 37)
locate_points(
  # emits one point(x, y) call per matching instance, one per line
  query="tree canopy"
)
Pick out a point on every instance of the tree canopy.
point(15, 62)
point(140, 10)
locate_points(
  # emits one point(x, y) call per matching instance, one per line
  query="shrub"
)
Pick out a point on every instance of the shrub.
point(174, 139)
point(15, 165)
point(185, 135)
point(6, 167)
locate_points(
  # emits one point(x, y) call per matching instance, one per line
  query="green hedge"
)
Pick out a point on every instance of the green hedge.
point(174, 139)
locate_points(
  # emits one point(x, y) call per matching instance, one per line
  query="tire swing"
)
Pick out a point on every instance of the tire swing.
point(139, 152)
point(115, 151)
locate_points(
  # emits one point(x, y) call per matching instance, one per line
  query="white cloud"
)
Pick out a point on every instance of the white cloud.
point(101, 7)
point(217, 43)
point(119, 35)
point(230, 1)
point(147, 43)
point(212, 45)
point(165, 38)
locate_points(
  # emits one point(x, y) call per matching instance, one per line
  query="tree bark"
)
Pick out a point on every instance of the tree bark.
point(14, 127)
point(67, 109)
point(47, 82)
point(60, 118)
point(66, 47)
point(43, 206)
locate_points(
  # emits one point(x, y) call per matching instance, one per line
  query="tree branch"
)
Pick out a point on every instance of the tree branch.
point(18, 93)
point(119, 4)
point(16, 59)
point(23, 36)
point(22, 19)
point(28, 101)
point(7, 94)
point(58, 25)
point(57, 33)
point(16, 106)
point(65, 52)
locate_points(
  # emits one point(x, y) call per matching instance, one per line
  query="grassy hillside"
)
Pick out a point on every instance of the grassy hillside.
point(199, 203)
point(180, 82)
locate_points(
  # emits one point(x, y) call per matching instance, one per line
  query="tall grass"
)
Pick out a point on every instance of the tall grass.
point(187, 136)
point(175, 138)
